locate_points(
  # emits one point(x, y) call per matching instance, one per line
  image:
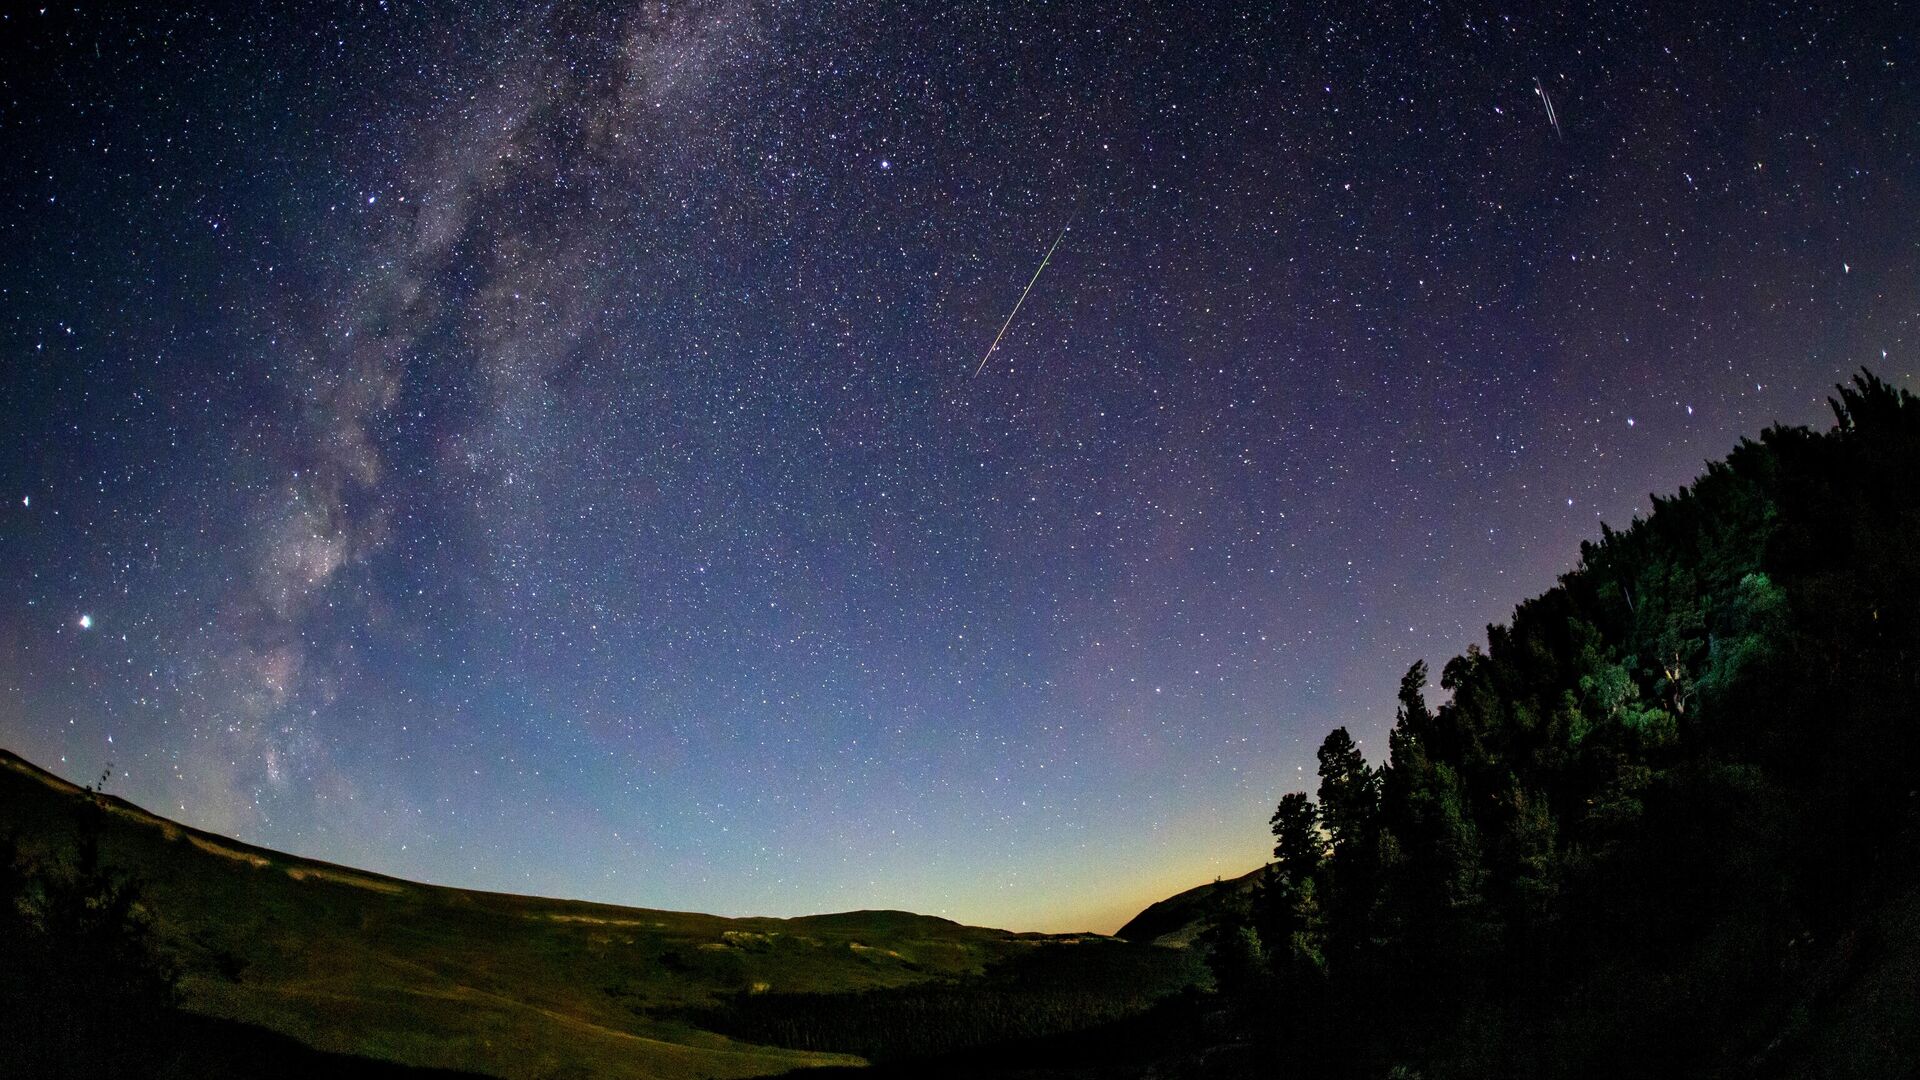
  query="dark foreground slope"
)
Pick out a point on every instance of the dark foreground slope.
point(1667, 823)
point(350, 962)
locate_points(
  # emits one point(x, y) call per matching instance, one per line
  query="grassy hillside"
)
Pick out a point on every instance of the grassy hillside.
point(353, 962)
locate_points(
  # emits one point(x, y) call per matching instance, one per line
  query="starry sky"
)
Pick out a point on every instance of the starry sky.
point(538, 448)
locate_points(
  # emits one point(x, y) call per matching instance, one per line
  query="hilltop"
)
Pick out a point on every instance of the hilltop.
point(1180, 919)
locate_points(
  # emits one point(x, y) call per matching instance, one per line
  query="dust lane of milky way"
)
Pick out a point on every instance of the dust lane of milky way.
point(534, 449)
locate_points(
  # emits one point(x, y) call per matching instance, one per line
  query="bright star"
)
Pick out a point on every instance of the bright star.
point(86, 622)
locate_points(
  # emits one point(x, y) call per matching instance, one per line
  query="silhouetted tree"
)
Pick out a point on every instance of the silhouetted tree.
point(1349, 794)
point(1298, 842)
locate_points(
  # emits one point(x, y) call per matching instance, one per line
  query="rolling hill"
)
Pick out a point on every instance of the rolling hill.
point(350, 962)
point(1179, 919)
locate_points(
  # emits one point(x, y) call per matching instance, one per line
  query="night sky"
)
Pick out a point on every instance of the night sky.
point(537, 448)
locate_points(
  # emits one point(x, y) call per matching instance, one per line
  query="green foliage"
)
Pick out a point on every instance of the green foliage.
point(1641, 801)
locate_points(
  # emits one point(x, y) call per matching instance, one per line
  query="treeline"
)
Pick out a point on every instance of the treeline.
point(1053, 989)
point(1649, 817)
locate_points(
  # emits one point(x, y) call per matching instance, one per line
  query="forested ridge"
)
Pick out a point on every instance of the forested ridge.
point(1655, 823)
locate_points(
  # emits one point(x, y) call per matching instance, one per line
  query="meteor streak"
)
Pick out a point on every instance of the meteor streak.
point(1547, 100)
point(1023, 297)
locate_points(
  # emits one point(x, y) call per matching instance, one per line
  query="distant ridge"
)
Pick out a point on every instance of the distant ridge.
point(1179, 919)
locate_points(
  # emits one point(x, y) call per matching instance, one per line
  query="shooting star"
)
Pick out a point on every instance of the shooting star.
point(1547, 100)
point(1047, 258)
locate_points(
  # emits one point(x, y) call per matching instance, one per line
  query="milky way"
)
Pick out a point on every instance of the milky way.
point(538, 448)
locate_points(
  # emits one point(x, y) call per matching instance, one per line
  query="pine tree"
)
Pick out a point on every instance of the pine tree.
point(1349, 794)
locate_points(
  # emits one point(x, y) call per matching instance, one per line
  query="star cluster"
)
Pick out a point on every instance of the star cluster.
point(538, 449)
